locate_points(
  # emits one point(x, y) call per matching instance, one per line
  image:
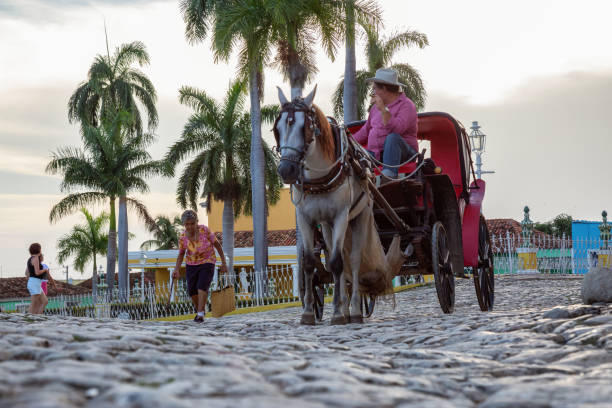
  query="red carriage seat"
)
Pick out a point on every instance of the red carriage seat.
point(448, 145)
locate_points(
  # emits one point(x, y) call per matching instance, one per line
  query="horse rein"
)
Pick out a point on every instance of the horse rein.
point(311, 127)
point(337, 171)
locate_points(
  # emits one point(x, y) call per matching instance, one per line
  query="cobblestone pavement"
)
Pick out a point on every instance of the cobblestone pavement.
point(539, 348)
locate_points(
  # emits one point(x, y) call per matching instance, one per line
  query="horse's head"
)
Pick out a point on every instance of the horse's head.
point(294, 130)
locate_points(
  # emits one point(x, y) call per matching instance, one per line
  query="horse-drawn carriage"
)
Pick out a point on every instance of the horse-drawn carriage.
point(433, 209)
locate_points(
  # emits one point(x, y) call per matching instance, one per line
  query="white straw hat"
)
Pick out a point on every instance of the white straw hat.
point(386, 76)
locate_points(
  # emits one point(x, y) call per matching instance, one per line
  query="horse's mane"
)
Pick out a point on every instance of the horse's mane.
point(326, 139)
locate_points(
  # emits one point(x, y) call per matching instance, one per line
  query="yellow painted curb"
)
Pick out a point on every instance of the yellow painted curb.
point(257, 309)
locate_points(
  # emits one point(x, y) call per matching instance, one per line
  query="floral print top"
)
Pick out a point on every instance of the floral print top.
point(201, 251)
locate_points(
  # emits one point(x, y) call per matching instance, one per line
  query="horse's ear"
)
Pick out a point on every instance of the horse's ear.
point(310, 98)
point(281, 96)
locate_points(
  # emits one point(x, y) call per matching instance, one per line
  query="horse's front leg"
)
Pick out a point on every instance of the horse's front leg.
point(308, 266)
point(336, 267)
point(358, 240)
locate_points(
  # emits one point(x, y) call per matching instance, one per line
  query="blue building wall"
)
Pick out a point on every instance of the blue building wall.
point(585, 230)
point(585, 237)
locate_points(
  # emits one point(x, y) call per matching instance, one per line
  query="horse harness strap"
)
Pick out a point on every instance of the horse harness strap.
point(327, 183)
point(336, 175)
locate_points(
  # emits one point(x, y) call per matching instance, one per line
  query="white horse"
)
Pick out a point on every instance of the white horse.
point(326, 192)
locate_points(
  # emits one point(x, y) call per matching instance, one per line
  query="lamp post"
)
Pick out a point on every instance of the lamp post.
point(477, 144)
point(143, 261)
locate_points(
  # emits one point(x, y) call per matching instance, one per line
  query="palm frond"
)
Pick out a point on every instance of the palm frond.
point(401, 40)
point(142, 212)
point(71, 203)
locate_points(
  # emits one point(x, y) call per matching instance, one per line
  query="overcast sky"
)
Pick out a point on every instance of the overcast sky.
point(537, 75)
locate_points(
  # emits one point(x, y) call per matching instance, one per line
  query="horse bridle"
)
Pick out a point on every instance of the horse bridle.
point(311, 128)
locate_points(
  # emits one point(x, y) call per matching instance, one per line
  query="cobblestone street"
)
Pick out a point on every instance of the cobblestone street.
point(539, 348)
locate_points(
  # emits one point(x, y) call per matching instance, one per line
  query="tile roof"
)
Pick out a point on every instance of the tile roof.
point(500, 227)
point(17, 288)
point(149, 278)
point(244, 239)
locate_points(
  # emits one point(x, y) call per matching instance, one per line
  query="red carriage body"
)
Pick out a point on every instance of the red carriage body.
point(450, 150)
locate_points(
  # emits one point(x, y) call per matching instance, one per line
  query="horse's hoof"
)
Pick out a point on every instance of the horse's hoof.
point(308, 319)
point(338, 320)
point(356, 319)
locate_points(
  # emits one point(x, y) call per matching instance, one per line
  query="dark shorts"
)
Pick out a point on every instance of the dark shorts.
point(199, 277)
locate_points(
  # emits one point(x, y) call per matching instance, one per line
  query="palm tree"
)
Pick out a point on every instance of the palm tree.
point(85, 242)
point(166, 235)
point(299, 23)
point(371, 20)
point(379, 53)
point(241, 25)
point(218, 136)
point(113, 85)
point(111, 164)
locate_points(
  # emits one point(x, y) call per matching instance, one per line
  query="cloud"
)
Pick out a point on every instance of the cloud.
point(51, 11)
point(549, 143)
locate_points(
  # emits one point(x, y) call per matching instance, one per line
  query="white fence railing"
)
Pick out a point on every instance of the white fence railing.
point(548, 254)
point(277, 285)
point(512, 254)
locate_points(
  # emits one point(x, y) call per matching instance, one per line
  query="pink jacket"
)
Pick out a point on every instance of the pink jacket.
point(403, 122)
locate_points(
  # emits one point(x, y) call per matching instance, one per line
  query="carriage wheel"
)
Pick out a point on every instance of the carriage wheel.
point(319, 299)
point(367, 305)
point(484, 274)
point(317, 290)
point(442, 268)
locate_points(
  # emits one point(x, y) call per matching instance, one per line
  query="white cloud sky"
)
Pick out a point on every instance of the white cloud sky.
point(537, 75)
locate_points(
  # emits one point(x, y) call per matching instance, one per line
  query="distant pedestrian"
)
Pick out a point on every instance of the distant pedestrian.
point(36, 273)
point(47, 277)
point(197, 245)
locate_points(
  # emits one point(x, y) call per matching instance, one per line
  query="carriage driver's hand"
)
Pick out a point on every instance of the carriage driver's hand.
point(380, 105)
point(175, 274)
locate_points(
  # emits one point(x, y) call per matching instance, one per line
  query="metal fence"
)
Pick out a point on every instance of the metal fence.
point(277, 285)
point(512, 254)
point(515, 254)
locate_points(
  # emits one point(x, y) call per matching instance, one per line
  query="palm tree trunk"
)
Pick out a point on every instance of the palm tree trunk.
point(350, 75)
point(257, 175)
point(94, 280)
point(228, 233)
point(123, 249)
point(111, 257)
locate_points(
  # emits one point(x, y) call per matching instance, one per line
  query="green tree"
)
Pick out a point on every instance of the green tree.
point(84, 242)
point(218, 138)
point(166, 235)
point(113, 85)
point(379, 53)
point(111, 165)
point(561, 224)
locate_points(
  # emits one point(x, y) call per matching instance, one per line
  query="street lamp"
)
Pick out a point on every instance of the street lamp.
point(477, 144)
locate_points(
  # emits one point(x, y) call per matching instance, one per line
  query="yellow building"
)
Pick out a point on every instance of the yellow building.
point(281, 216)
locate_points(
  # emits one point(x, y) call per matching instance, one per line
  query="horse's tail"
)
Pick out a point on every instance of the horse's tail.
point(395, 258)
